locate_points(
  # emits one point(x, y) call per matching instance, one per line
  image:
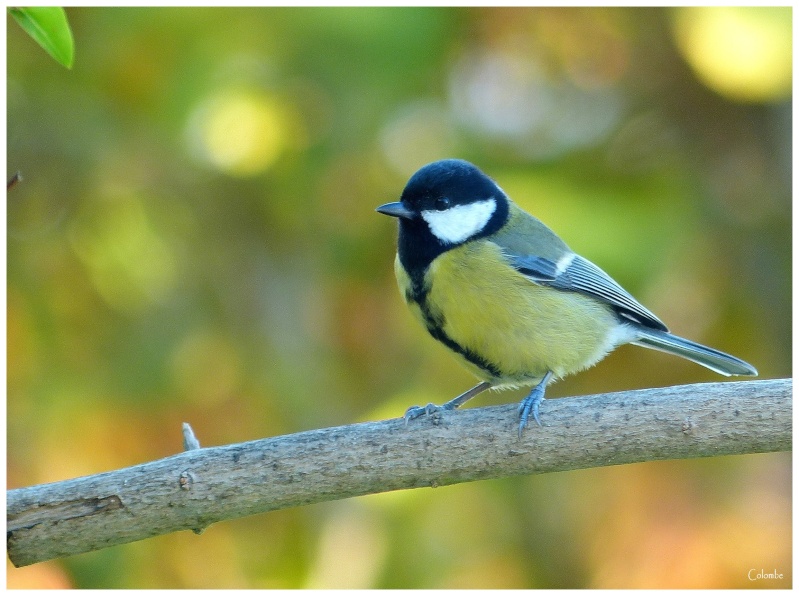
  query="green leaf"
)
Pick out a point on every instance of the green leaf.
point(48, 26)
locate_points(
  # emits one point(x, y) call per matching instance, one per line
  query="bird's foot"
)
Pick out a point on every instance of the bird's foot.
point(530, 405)
point(415, 412)
point(532, 402)
point(453, 404)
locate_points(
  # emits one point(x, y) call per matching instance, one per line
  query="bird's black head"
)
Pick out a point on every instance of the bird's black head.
point(445, 204)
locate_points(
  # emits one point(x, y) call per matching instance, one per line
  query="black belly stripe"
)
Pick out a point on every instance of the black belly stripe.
point(435, 326)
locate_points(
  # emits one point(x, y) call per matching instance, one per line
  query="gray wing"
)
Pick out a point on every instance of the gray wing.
point(581, 275)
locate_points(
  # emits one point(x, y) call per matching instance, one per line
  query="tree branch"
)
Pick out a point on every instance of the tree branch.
point(196, 488)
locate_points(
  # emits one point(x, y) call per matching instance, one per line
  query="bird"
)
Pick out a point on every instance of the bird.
point(508, 297)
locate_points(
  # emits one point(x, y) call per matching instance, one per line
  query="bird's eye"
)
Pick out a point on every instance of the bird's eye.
point(442, 203)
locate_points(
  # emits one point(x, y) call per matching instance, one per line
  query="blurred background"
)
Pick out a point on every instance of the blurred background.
point(195, 240)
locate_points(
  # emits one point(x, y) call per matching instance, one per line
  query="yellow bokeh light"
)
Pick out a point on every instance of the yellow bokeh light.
point(130, 263)
point(241, 131)
point(744, 53)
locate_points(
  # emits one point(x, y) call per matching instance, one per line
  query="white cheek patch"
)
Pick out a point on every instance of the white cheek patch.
point(461, 222)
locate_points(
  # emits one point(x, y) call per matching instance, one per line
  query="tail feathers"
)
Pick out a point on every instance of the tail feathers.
point(713, 359)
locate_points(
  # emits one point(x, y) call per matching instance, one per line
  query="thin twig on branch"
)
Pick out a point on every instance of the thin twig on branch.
point(14, 180)
point(196, 488)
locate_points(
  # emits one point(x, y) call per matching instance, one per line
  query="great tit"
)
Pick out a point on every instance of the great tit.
point(504, 293)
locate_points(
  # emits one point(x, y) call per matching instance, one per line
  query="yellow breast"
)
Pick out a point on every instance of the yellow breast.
point(521, 328)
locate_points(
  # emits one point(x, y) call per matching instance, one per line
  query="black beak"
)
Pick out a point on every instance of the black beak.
point(395, 210)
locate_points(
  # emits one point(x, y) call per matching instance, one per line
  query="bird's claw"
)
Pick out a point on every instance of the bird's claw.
point(415, 412)
point(530, 405)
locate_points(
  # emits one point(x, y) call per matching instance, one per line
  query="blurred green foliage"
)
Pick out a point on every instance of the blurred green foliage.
point(195, 240)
